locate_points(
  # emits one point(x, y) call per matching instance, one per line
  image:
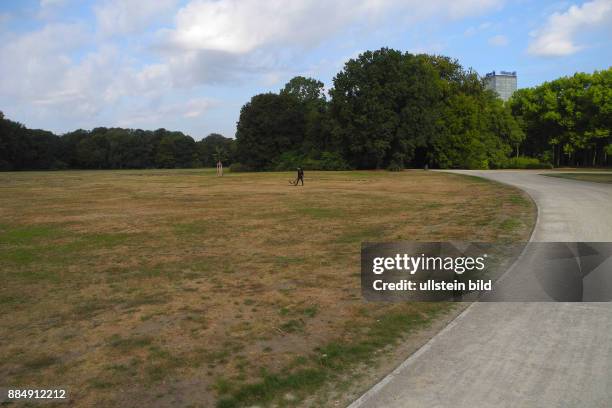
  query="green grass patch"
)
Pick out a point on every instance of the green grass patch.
point(355, 235)
point(510, 224)
point(289, 260)
point(592, 177)
point(142, 299)
point(520, 200)
point(129, 343)
point(321, 213)
point(27, 235)
point(27, 246)
point(100, 384)
point(40, 361)
point(85, 242)
point(20, 256)
point(326, 363)
point(90, 307)
point(161, 363)
point(193, 228)
point(271, 386)
point(475, 179)
point(292, 326)
point(13, 299)
point(311, 311)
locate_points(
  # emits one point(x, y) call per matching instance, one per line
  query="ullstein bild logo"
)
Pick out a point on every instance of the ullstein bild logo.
point(467, 271)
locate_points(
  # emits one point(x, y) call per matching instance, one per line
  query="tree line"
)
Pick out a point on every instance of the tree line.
point(386, 109)
point(107, 148)
point(568, 120)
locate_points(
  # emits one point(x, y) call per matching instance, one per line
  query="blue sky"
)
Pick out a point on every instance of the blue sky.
point(190, 65)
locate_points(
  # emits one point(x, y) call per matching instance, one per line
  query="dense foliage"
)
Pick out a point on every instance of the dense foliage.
point(286, 130)
point(22, 148)
point(386, 109)
point(106, 148)
point(214, 148)
point(385, 105)
point(568, 120)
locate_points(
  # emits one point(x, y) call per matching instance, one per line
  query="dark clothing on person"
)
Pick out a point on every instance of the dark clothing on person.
point(300, 177)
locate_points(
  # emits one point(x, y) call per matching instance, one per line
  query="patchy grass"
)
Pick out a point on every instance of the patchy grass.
point(511, 224)
point(326, 362)
point(320, 213)
point(177, 288)
point(127, 344)
point(593, 177)
point(28, 234)
point(37, 362)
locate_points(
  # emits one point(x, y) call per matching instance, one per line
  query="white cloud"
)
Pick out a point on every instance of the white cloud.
point(465, 8)
point(195, 107)
point(92, 72)
point(33, 62)
point(241, 26)
point(499, 40)
point(129, 16)
point(557, 36)
point(222, 40)
point(51, 3)
point(159, 113)
point(48, 71)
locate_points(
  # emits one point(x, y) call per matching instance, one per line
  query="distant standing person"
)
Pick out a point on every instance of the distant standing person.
point(219, 168)
point(300, 176)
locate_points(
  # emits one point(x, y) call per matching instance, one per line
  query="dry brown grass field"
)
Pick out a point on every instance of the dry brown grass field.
point(179, 288)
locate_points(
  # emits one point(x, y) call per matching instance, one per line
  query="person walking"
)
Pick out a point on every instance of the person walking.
point(300, 176)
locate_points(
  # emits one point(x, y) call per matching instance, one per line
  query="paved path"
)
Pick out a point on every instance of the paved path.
point(520, 354)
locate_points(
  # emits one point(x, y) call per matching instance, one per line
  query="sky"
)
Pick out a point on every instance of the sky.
point(190, 65)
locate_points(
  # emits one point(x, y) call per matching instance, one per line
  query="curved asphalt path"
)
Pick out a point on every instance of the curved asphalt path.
point(520, 354)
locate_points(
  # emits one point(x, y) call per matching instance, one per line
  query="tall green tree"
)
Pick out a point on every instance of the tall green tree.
point(269, 125)
point(568, 120)
point(384, 105)
point(310, 94)
point(307, 90)
point(209, 145)
point(475, 131)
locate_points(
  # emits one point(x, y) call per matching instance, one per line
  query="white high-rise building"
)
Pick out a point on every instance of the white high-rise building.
point(503, 82)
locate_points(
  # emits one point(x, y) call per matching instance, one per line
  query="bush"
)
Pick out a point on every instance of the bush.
point(476, 163)
point(539, 165)
point(5, 166)
point(289, 161)
point(395, 166)
point(333, 161)
point(326, 161)
point(59, 165)
point(239, 168)
point(523, 162)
